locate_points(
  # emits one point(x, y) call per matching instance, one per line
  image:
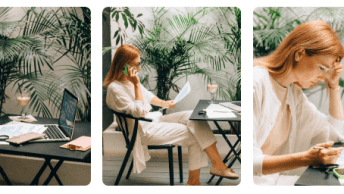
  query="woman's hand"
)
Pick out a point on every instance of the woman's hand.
point(133, 76)
point(326, 155)
point(333, 75)
point(168, 104)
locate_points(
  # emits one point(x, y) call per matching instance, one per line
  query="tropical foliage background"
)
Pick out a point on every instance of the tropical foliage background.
point(273, 24)
point(46, 50)
point(175, 45)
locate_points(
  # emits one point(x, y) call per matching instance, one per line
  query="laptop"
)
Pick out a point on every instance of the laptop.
point(63, 131)
point(234, 105)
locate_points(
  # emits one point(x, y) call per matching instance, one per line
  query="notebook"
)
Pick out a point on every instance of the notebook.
point(82, 143)
point(63, 131)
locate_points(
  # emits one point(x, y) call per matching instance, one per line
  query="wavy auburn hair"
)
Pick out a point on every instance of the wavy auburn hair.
point(315, 37)
point(124, 55)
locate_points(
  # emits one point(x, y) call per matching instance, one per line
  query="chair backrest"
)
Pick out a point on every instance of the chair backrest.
point(122, 122)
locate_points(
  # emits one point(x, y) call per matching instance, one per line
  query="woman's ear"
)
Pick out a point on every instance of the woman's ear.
point(299, 54)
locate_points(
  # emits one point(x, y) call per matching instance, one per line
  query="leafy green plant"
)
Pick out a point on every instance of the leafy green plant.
point(173, 46)
point(64, 32)
point(231, 33)
point(128, 19)
point(21, 53)
point(271, 26)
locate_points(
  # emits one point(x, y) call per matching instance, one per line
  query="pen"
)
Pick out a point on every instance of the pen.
point(319, 148)
point(222, 111)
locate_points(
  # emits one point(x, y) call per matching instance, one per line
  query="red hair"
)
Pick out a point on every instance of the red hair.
point(315, 37)
point(124, 55)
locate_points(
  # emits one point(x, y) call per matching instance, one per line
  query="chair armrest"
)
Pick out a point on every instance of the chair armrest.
point(144, 119)
point(131, 117)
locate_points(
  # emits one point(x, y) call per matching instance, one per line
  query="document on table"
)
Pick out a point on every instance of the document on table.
point(184, 92)
point(218, 111)
point(15, 130)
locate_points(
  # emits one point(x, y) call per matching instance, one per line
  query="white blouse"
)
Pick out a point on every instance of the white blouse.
point(121, 98)
point(308, 125)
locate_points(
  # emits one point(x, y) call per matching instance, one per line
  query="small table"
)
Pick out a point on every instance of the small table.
point(48, 150)
point(203, 104)
point(314, 176)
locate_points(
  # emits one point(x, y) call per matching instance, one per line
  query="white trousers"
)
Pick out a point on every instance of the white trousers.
point(177, 129)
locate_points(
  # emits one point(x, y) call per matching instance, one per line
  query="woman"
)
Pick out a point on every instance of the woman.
point(285, 123)
point(125, 94)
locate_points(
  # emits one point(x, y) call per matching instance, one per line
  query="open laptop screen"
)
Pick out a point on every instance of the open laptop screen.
point(68, 111)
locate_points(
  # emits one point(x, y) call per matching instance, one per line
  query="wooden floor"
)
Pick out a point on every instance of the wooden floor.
point(157, 172)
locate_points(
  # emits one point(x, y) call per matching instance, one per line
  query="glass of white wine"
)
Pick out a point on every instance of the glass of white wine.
point(23, 98)
point(212, 87)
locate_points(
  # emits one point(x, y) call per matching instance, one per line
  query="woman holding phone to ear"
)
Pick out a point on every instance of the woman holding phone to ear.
point(126, 95)
point(285, 124)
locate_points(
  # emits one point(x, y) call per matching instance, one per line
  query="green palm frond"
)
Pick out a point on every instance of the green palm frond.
point(42, 88)
point(40, 22)
point(73, 80)
point(4, 13)
point(27, 51)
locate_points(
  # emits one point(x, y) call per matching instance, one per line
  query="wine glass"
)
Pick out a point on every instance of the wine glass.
point(23, 98)
point(212, 87)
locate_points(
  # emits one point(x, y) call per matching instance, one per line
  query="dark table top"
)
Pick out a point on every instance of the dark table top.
point(203, 104)
point(314, 176)
point(49, 149)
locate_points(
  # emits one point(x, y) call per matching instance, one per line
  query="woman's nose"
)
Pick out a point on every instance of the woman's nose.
point(321, 78)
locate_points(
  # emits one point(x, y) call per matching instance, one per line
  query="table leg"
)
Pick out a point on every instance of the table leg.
point(53, 173)
point(40, 172)
point(2, 172)
point(232, 149)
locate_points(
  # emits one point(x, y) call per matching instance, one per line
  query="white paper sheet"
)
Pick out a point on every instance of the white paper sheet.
point(15, 130)
point(218, 111)
point(184, 92)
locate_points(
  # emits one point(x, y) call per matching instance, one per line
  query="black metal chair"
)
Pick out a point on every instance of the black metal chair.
point(123, 125)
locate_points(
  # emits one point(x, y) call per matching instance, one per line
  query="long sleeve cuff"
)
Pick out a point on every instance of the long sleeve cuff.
point(338, 134)
point(258, 165)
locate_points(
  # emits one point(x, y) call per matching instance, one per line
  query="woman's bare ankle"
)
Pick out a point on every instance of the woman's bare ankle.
point(194, 183)
point(221, 167)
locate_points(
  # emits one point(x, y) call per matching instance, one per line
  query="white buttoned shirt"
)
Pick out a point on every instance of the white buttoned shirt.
point(308, 125)
point(121, 98)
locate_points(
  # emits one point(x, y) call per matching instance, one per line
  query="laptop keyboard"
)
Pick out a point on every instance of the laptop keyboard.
point(53, 132)
point(237, 103)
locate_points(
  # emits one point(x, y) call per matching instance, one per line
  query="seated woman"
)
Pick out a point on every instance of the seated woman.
point(125, 94)
point(285, 124)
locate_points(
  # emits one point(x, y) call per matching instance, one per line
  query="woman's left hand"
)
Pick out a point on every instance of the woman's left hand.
point(168, 104)
point(333, 75)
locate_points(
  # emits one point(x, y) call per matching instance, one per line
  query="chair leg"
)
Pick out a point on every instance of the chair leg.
point(180, 159)
point(126, 158)
point(130, 169)
point(170, 159)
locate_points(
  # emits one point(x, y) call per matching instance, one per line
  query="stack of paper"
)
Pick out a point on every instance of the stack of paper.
point(13, 130)
point(218, 111)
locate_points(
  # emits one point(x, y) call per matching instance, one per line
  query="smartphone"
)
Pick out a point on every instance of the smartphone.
point(125, 71)
point(339, 172)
